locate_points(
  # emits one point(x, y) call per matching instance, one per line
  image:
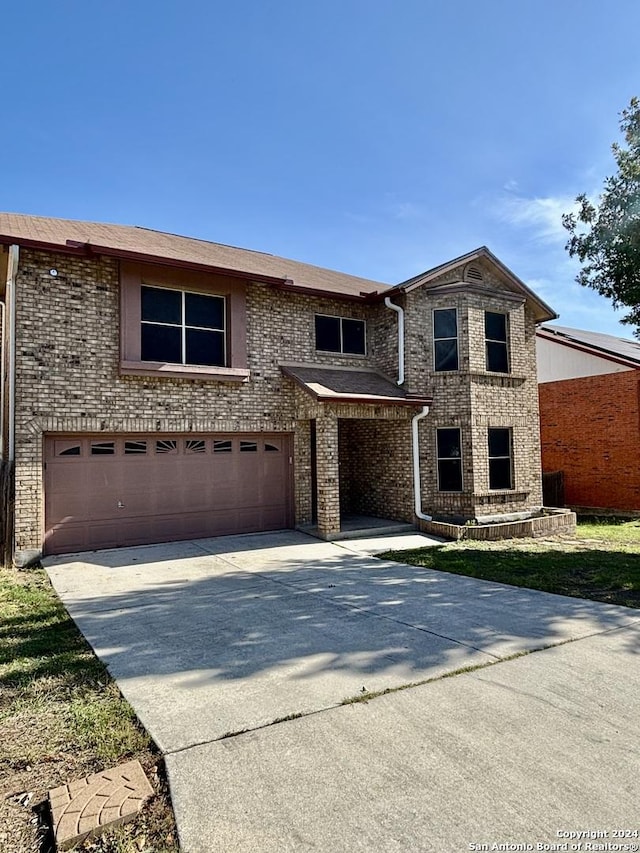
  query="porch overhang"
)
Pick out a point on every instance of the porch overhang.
point(351, 385)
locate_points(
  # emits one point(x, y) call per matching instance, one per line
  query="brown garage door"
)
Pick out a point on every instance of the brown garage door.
point(105, 491)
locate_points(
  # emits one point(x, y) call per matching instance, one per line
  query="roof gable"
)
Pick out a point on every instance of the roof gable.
point(465, 271)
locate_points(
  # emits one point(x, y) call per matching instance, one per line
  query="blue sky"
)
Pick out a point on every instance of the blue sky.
point(378, 137)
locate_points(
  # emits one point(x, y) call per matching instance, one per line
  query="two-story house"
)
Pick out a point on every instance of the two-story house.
point(158, 387)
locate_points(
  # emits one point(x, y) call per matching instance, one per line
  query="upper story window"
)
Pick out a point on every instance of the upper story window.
point(445, 339)
point(182, 323)
point(449, 457)
point(340, 334)
point(179, 327)
point(496, 342)
point(500, 458)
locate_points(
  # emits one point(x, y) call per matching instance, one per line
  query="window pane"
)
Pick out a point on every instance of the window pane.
point(444, 323)
point(161, 306)
point(328, 333)
point(103, 448)
point(353, 336)
point(497, 358)
point(499, 442)
point(135, 447)
point(248, 446)
point(500, 474)
point(167, 445)
point(204, 347)
point(450, 475)
point(495, 326)
point(195, 445)
point(446, 355)
point(204, 311)
point(449, 443)
point(161, 343)
point(70, 451)
point(222, 446)
point(271, 448)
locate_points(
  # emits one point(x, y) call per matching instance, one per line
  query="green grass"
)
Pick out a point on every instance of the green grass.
point(602, 563)
point(610, 530)
point(62, 718)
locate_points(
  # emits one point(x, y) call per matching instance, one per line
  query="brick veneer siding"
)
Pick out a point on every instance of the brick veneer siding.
point(375, 468)
point(68, 380)
point(590, 430)
point(474, 399)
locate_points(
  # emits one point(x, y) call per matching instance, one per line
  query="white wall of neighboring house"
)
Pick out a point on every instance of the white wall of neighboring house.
point(557, 361)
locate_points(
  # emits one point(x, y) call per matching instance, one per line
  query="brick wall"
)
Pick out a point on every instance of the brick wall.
point(475, 400)
point(376, 468)
point(68, 372)
point(68, 380)
point(590, 429)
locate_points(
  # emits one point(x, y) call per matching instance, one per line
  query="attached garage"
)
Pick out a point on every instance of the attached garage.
point(107, 491)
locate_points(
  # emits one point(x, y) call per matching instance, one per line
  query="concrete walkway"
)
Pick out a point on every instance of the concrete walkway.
point(218, 637)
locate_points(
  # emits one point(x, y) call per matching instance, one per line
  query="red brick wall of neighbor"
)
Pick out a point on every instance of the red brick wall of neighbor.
point(590, 429)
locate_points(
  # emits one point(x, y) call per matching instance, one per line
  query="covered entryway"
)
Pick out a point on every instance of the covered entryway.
point(365, 468)
point(104, 491)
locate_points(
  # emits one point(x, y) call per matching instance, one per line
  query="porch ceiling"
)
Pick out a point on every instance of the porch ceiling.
point(340, 385)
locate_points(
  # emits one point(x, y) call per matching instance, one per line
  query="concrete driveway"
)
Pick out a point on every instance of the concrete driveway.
point(238, 653)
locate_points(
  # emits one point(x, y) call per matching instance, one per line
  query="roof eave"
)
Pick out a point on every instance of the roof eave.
point(371, 401)
point(590, 349)
point(73, 247)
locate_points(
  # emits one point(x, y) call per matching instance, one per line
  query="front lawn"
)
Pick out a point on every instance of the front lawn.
point(602, 563)
point(62, 718)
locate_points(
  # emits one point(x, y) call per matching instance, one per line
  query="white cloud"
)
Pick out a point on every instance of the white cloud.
point(540, 216)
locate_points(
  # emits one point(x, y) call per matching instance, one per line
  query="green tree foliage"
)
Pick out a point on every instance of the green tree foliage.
point(605, 237)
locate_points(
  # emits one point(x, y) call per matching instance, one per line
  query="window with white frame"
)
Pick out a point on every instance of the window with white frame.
point(180, 327)
point(496, 342)
point(340, 334)
point(500, 458)
point(445, 339)
point(449, 459)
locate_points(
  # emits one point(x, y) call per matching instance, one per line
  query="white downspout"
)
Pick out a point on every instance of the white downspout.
point(400, 313)
point(417, 492)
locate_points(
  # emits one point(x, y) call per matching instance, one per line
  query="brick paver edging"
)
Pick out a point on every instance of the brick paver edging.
point(90, 805)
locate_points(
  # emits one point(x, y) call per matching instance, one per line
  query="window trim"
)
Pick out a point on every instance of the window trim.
point(456, 339)
point(505, 343)
point(183, 325)
point(341, 350)
point(439, 458)
point(134, 275)
point(512, 485)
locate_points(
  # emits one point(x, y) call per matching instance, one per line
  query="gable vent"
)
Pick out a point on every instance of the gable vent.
point(473, 273)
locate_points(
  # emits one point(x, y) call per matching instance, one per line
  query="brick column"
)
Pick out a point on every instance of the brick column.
point(328, 476)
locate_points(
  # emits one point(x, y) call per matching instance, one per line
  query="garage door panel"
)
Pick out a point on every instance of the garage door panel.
point(144, 489)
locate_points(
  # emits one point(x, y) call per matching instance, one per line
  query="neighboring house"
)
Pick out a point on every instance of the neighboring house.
point(589, 386)
point(158, 387)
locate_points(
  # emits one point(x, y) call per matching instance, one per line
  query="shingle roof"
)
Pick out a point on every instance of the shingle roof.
point(130, 239)
point(596, 341)
point(329, 385)
point(145, 244)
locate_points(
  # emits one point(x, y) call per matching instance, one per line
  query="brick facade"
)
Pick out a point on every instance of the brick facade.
point(590, 429)
point(68, 381)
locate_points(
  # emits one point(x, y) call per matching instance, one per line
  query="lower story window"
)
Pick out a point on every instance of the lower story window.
point(449, 453)
point(500, 458)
